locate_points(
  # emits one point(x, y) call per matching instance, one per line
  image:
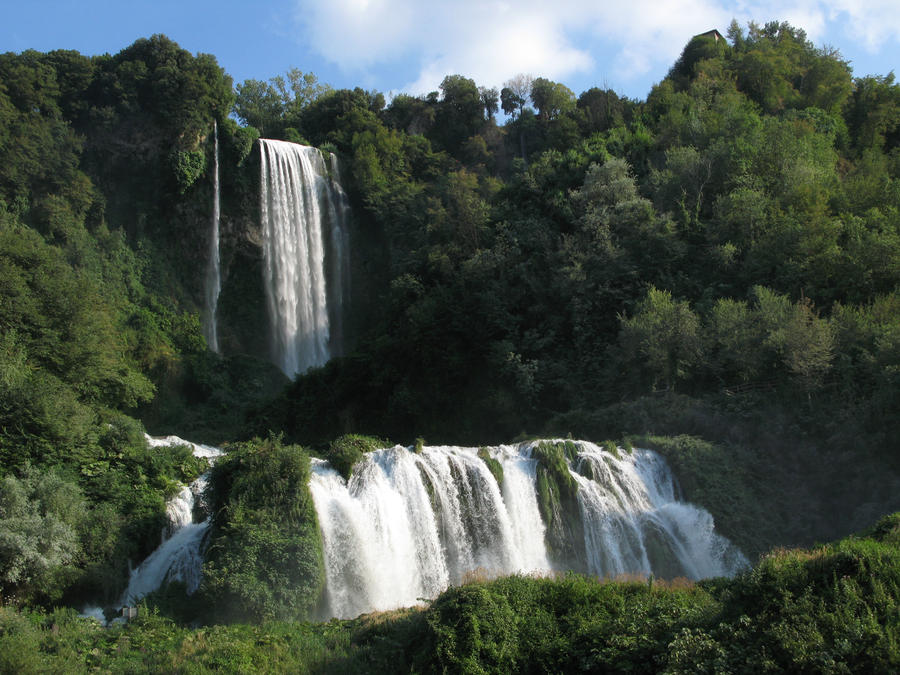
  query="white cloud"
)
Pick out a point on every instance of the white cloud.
point(873, 22)
point(492, 40)
point(489, 41)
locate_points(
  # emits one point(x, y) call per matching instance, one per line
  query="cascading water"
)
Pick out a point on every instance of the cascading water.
point(339, 268)
point(303, 215)
point(213, 270)
point(179, 557)
point(407, 525)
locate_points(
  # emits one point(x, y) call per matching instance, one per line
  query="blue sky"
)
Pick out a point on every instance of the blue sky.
point(409, 45)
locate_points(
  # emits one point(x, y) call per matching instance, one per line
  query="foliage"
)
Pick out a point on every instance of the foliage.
point(493, 465)
point(663, 335)
point(345, 451)
point(734, 237)
point(264, 559)
point(188, 167)
point(40, 515)
point(829, 608)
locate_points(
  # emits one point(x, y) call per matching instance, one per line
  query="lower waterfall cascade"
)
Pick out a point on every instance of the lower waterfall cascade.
point(179, 557)
point(407, 524)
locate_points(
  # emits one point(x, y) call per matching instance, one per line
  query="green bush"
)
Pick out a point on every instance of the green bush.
point(40, 517)
point(474, 631)
point(187, 167)
point(346, 451)
point(829, 609)
point(265, 557)
point(611, 448)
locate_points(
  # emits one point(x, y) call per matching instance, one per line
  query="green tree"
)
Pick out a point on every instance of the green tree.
point(260, 105)
point(700, 48)
point(551, 99)
point(458, 115)
point(40, 514)
point(873, 113)
point(515, 93)
point(662, 338)
point(602, 109)
point(490, 99)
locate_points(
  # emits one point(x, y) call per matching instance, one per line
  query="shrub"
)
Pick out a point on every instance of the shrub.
point(611, 448)
point(187, 167)
point(346, 451)
point(40, 514)
point(265, 557)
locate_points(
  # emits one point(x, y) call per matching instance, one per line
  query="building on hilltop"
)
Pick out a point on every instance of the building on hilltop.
point(714, 34)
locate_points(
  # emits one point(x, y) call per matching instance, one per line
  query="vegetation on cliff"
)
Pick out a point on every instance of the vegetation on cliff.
point(264, 559)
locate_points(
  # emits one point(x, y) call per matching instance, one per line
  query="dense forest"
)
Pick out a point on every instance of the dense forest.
point(712, 272)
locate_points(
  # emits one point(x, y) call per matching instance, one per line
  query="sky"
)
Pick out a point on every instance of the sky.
point(408, 46)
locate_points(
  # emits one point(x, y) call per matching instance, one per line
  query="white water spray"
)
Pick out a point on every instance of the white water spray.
point(303, 215)
point(407, 525)
point(179, 557)
point(213, 270)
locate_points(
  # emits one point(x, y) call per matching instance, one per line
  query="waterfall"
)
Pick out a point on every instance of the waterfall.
point(179, 557)
point(338, 260)
point(213, 271)
point(407, 525)
point(303, 216)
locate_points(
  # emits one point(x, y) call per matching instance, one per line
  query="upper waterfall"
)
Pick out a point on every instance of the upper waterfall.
point(303, 216)
point(213, 270)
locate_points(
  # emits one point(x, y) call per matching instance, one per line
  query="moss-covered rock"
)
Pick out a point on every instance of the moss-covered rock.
point(558, 502)
point(493, 465)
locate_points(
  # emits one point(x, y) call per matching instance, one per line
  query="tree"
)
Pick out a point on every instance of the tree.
point(602, 109)
point(259, 105)
point(298, 89)
point(806, 343)
point(411, 114)
point(39, 517)
point(551, 98)
point(662, 338)
point(700, 48)
point(511, 103)
point(515, 93)
point(459, 114)
point(279, 103)
point(490, 99)
point(735, 341)
point(873, 113)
